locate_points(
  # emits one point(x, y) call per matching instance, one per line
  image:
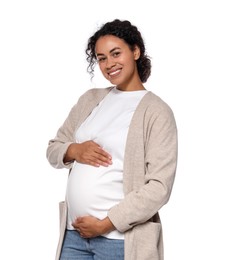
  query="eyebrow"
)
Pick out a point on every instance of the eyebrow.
point(112, 50)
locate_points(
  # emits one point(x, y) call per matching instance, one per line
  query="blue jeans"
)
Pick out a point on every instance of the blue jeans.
point(98, 248)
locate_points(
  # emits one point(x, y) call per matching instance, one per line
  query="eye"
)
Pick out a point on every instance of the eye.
point(116, 54)
point(101, 59)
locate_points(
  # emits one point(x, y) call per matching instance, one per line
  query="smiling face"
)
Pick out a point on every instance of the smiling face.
point(117, 62)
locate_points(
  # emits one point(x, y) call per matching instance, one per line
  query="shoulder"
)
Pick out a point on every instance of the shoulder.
point(87, 102)
point(158, 116)
point(90, 98)
point(155, 104)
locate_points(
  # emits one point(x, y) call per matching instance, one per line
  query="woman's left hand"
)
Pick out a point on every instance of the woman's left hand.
point(89, 226)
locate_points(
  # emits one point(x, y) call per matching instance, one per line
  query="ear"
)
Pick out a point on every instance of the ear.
point(136, 52)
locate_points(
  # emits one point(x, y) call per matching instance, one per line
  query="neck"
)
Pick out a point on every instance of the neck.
point(131, 88)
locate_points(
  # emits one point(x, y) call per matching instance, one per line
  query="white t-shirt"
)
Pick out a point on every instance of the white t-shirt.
point(94, 190)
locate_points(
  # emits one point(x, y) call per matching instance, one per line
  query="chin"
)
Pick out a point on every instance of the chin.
point(115, 82)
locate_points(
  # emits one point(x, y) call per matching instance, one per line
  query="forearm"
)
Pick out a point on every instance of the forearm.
point(106, 225)
point(70, 153)
point(56, 152)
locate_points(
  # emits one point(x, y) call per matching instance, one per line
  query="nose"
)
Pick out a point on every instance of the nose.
point(110, 63)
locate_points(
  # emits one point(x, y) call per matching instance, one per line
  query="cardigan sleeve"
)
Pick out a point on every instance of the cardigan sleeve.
point(156, 179)
point(58, 146)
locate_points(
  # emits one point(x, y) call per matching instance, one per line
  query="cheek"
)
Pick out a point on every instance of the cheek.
point(101, 67)
point(128, 60)
point(131, 63)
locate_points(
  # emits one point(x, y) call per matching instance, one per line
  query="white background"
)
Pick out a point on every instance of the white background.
point(42, 74)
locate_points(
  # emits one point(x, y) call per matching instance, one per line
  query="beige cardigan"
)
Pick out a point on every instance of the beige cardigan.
point(148, 175)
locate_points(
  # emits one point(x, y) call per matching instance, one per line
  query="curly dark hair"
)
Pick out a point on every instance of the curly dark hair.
point(127, 32)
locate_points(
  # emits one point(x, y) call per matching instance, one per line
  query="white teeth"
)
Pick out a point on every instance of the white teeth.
point(114, 72)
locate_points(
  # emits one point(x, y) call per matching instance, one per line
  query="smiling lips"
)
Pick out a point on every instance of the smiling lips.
point(114, 73)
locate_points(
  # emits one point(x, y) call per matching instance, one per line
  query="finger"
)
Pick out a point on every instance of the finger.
point(99, 150)
point(102, 158)
point(74, 226)
point(94, 163)
point(96, 155)
point(79, 219)
point(97, 162)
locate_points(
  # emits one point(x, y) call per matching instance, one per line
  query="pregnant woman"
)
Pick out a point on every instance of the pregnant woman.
point(120, 146)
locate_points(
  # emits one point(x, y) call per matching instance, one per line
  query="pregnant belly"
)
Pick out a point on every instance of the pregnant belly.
point(93, 191)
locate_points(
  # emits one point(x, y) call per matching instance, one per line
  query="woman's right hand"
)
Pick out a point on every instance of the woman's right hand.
point(89, 153)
